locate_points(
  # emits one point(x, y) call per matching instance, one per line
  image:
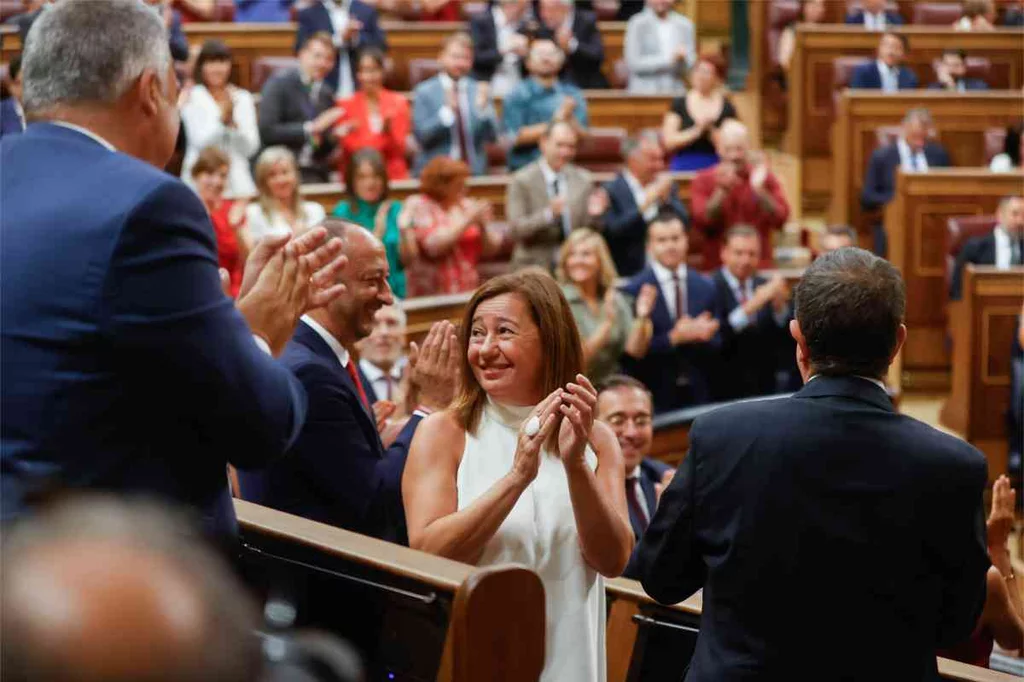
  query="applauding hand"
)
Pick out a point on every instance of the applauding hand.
point(579, 401)
point(434, 368)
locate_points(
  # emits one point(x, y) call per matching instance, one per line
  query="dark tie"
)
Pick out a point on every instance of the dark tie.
point(460, 129)
point(680, 295)
point(634, 503)
point(742, 297)
point(352, 372)
point(387, 385)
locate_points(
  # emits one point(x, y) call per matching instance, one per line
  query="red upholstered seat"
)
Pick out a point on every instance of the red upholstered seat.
point(977, 67)
point(958, 230)
point(842, 70)
point(607, 10)
point(887, 135)
point(937, 13)
point(224, 10)
point(854, 5)
point(601, 149)
point(780, 15)
point(265, 67)
point(995, 140)
point(497, 158)
point(9, 8)
point(421, 69)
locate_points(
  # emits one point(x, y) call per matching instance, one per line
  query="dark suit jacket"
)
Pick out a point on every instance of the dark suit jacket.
point(749, 358)
point(10, 122)
point(676, 375)
point(649, 473)
point(977, 250)
point(176, 39)
point(829, 532)
point(866, 77)
point(285, 107)
point(315, 18)
point(110, 379)
point(486, 57)
point(891, 18)
point(624, 226)
point(880, 181)
point(582, 67)
point(969, 84)
point(338, 472)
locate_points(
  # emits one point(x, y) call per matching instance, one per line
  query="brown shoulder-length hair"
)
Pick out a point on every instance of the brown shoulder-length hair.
point(559, 339)
point(440, 179)
point(371, 156)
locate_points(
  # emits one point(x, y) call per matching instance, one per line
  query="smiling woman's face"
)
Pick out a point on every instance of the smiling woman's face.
point(505, 351)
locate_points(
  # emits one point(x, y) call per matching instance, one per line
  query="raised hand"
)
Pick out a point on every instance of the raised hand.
point(645, 301)
point(597, 202)
point(326, 119)
point(660, 486)
point(285, 277)
point(579, 402)
point(1000, 519)
point(434, 368)
point(526, 461)
point(610, 305)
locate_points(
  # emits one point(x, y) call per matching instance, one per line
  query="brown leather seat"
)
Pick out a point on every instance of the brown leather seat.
point(976, 67)
point(601, 150)
point(265, 67)
point(937, 13)
point(958, 230)
point(995, 141)
point(422, 69)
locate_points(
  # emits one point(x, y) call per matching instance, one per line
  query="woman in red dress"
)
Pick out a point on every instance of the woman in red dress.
point(375, 117)
point(210, 174)
point(450, 229)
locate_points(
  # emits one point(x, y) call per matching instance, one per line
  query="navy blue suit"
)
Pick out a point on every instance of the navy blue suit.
point(831, 534)
point(969, 84)
point(125, 367)
point(676, 375)
point(338, 472)
point(649, 472)
point(880, 182)
point(857, 18)
point(866, 77)
point(316, 18)
point(625, 228)
point(10, 122)
point(749, 357)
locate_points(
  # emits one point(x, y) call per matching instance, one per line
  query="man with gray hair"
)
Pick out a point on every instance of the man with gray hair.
point(126, 368)
point(914, 151)
point(635, 197)
point(826, 528)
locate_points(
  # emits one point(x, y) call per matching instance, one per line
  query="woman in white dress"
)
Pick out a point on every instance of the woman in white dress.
point(280, 209)
point(216, 113)
point(517, 471)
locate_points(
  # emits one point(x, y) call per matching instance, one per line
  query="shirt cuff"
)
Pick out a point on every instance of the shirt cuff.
point(447, 116)
point(262, 343)
point(573, 44)
point(422, 412)
point(738, 319)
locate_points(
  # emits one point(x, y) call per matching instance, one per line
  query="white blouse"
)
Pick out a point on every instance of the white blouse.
point(260, 226)
point(201, 117)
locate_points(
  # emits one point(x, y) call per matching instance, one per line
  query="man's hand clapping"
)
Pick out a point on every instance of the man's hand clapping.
point(700, 329)
point(285, 277)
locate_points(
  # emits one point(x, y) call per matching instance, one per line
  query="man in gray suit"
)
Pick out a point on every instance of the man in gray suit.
point(453, 115)
point(297, 109)
point(550, 197)
point(660, 45)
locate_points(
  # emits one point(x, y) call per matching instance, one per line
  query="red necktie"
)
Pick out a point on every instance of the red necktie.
point(634, 503)
point(354, 373)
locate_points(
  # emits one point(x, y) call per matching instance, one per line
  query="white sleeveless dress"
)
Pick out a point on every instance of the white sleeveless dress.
point(540, 533)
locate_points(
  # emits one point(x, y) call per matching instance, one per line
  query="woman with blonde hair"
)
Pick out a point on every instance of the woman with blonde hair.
point(279, 209)
point(608, 323)
point(517, 470)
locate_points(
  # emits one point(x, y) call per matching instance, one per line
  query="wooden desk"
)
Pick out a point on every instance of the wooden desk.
point(489, 187)
point(406, 41)
point(916, 224)
point(983, 324)
point(811, 92)
point(489, 622)
point(961, 120)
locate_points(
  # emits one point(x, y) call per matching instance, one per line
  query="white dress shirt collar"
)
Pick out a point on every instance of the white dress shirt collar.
point(876, 382)
point(910, 160)
point(875, 22)
point(664, 275)
point(88, 133)
point(447, 82)
point(734, 283)
point(550, 175)
point(339, 350)
point(375, 373)
point(1004, 248)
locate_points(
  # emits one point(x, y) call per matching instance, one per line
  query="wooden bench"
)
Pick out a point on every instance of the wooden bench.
point(426, 618)
point(916, 225)
point(651, 642)
point(961, 120)
point(983, 324)
point(811, 93)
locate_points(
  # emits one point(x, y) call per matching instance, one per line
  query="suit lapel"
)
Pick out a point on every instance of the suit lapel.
point(661, 318)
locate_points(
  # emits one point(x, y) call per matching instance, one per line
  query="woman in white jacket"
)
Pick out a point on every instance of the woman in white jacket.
point(219, 114)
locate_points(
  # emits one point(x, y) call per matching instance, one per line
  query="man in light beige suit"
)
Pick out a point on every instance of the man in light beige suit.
point(549, 198)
